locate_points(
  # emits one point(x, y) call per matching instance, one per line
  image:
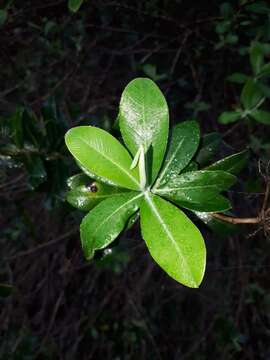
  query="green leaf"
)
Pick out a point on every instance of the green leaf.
point(5, 290)
point(35, 170)
point(192, 166)
point(232, 164)
point(261, 116)
point(105, 222)
point(199, 190)
point(259, 7)
point(144, 120)
point(251, 95)
point(3, 16)
point(74, 5)
point(238, 78)
point(173, 241)
point(256, 57)
point(183, 145)
point(265, 71)
point(85, 193)
point(77, 180)
point(209, 147)
point(228, 117)
point(16, 126)
point(101, 154)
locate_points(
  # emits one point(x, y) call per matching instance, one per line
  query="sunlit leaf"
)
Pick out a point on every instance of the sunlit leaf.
point(101, 154)
point(144, 120)
point(173, 241)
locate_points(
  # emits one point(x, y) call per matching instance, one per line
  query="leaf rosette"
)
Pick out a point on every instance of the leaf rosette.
point(149, 177)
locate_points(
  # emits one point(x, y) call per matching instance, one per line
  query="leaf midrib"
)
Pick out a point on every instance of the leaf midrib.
point(114, 212)
point(165, 190)
point(170, 236)
point(110, 160)
point(163, 173)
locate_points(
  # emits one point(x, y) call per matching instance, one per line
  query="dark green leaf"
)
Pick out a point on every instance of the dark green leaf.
point(261, 116)
point(232, 164)
point(265, 71)
point(256, 57)
point(36, 170)
point(251, 95)
point(3, 16)
point(5, 290)
point(238, 78)
point(199, 190)
point(105, 222)
point(74, 5)
point(173, 241)
point(209, 147)
point(259, 7)
point(183, 145)
point(16, 126)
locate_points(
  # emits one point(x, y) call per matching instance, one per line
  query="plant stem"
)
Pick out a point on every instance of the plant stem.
point(236, 220)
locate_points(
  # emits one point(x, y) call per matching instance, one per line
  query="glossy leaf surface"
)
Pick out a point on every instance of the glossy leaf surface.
point(173, 240)
point(102, 154)
point(256, 57)
point(144, 120)
point(105, 222)
point(183, 145)
point(232, 164)
point(199, 190)
point(85, 193)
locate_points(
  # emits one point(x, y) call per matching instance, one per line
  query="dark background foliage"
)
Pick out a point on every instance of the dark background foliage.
point(60, 69)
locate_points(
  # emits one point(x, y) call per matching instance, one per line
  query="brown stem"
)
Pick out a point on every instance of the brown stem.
point(236, 220)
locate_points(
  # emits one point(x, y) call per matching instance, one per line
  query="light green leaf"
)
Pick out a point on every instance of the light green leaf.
point(232, 164)
point(228, 117)
point(261, 116)
point(199, 190)
point(74, 5)
point(183, 145)
point(105, 222)
point(144, 120)
point(100, 153)
point(173, 241)
point(85, 193)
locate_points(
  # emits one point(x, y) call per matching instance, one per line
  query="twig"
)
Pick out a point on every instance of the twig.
point(237, 220)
